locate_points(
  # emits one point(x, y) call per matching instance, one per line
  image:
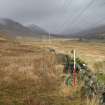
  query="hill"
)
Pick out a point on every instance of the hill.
point(36, 29)
point(92, 33)
point(14, 29)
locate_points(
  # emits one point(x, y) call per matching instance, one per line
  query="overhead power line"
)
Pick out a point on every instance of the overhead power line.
point(67, 4)
point(76, 17)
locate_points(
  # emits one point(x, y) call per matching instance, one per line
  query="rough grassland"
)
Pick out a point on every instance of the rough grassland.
point(29, 74)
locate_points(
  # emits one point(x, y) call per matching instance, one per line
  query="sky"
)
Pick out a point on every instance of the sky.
point(56, 16)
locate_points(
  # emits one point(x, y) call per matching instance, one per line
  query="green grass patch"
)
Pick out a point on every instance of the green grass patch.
point(101, 78)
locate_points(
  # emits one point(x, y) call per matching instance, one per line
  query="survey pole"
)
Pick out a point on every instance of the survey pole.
point(74, 71)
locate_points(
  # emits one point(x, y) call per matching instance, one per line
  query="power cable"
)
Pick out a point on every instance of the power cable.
point(78, 16)
point(67, 5)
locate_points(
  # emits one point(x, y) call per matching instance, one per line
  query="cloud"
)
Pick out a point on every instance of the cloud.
point(56, 16)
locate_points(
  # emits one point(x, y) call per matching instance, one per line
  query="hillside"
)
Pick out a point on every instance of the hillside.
point(36, 29)
point(92, 33)
point(14, 29)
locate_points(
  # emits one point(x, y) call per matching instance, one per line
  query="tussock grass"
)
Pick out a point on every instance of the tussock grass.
point(30, 75)
point(94, 101)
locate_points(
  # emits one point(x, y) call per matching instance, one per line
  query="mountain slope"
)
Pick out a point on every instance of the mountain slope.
point(92, 33)
point(13, 28)
point(36, 29)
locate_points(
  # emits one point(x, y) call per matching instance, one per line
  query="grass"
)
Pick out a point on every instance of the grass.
point(101, 78)
point(30, 75)
point(94, 101)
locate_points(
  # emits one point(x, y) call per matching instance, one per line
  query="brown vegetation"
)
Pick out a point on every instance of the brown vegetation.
point(30, 75)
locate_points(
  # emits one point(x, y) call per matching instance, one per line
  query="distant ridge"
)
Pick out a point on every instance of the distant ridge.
point(36, 29)
point(94, 33)
point(14, 29)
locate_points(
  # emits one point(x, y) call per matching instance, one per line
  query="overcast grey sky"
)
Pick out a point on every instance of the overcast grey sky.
point(57, 16)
